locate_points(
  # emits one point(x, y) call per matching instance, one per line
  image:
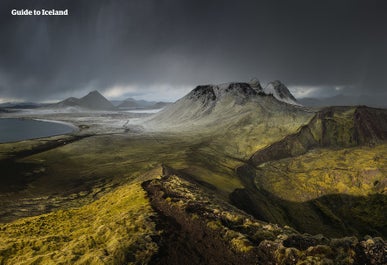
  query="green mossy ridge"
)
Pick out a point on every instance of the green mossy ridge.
point(112, 230)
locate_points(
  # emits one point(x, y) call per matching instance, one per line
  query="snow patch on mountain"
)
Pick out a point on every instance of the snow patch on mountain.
point(280, 92)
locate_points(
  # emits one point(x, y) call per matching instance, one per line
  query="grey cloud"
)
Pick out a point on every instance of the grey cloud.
point(179, 44)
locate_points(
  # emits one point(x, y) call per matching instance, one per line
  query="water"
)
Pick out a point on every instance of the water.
point(12, 130)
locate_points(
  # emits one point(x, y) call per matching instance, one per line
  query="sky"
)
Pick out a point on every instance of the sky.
point(161, 49)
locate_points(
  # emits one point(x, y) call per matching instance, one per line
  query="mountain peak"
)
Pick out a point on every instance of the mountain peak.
point(94, 93)
point(254, 83)
point(93, 100)
point(280, 92)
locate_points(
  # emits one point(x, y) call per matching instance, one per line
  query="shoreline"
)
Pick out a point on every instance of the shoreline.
point(74, 129)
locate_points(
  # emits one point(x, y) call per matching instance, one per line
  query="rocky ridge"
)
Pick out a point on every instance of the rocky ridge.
point(200, 228)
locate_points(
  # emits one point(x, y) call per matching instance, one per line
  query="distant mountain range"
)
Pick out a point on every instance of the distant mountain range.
point(95, 101)
point(132, 103)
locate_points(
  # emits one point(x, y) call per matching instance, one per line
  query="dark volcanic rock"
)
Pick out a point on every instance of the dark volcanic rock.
point(203, 93)
point(242, 88)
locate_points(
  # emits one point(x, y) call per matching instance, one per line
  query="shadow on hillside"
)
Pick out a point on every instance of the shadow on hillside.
point(334, 214)
point(15, 176)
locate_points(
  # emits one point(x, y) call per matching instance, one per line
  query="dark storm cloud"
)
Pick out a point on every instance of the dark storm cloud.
point(164, 48)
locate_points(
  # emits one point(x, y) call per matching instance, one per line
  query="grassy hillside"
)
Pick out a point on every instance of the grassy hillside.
point(329, 177)
point(112, 230)
point(357, 171)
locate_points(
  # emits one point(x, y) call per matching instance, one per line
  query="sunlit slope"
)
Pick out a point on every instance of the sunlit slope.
point(114, 229)
point(357, 171)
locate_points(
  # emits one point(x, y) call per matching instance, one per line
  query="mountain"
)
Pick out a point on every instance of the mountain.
point(131, 103)
point(345, 100)
point(93, 101)
point(209, 105)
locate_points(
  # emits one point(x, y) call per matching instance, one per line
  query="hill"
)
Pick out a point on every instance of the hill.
point(92, 101)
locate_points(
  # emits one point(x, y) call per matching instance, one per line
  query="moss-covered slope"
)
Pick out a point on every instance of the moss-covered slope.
point(331, 127)
point(329, 177)
point(115, 229)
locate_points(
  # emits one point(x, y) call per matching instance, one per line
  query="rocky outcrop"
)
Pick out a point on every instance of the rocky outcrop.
point(197, 227)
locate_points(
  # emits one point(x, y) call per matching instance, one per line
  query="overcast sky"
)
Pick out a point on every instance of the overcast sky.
point(161, 49)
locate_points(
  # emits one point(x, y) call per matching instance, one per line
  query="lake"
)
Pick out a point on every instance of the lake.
point(12, 129)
